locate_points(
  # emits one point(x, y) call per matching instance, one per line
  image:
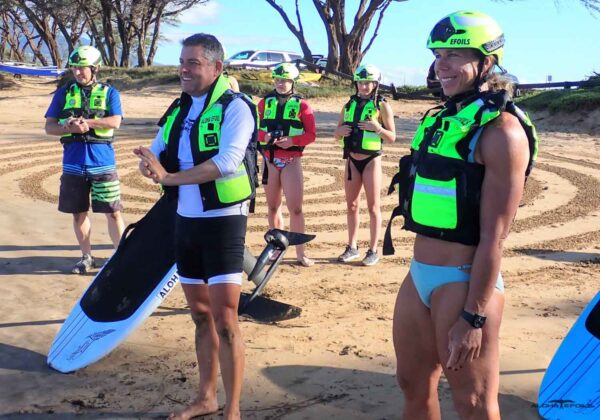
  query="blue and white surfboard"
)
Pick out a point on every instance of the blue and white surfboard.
point(85, 338)
point(571, 386)
point(128, 288)
point(23, 69)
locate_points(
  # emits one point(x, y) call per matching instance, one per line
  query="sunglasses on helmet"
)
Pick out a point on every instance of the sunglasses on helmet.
point(364, 74)
point(443, 31)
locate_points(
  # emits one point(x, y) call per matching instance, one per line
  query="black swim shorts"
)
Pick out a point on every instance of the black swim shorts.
point(210, 250)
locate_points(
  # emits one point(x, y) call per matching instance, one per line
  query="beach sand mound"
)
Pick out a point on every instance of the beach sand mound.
point(6, 81)
point(582, 122)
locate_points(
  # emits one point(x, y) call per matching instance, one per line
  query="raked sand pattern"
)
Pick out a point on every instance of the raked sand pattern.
point(337, 359)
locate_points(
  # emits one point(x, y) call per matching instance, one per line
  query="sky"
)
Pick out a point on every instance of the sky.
point(544, 38)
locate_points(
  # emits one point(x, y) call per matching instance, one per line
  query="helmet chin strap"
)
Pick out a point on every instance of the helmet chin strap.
point(93, 81)
point(480, 79)
point(285, 95)
point(373, 93)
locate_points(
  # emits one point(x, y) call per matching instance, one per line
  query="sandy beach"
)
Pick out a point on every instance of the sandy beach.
point(337, 359)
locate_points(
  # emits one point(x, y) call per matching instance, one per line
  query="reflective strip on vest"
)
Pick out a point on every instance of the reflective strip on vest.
point(434, 203)
point(234, 187)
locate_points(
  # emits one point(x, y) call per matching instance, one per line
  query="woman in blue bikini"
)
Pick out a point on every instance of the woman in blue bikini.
point(287, 125)
point(459, 191)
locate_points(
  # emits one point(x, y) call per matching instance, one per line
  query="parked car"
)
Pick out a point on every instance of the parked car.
point(261, 58)
point(317, 57)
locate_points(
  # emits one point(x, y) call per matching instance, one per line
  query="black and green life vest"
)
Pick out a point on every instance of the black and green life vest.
point(440, 181)
point(87, 103)
point(361, 141)
point(282, 117)
point(205, 136)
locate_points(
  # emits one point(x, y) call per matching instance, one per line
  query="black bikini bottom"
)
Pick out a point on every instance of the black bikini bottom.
point(360, 165)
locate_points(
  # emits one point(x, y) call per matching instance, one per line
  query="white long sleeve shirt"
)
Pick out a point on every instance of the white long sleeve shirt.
point(236, 131)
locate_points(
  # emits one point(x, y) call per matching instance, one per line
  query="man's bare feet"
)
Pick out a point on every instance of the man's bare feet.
point(197, 408)
point(304, 261)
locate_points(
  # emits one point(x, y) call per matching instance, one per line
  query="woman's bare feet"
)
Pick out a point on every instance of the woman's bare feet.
point(304, 261)
point(197, 408)
point(231, 415)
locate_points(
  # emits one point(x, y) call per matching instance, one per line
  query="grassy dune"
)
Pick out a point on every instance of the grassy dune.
point(586, 98)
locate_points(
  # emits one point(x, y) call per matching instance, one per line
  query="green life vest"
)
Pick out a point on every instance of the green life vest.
point(361, 141)
point(96, 108)
point(284, 118)
point(205, 138)
point(440, 181)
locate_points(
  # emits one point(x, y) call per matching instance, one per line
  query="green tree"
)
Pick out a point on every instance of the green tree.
point(345, 48)
point(121, 29)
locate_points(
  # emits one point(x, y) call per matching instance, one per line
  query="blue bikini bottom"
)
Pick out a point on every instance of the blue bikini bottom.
point(427, 278)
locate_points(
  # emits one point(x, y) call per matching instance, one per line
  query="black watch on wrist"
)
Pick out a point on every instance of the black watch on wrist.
point(475, 320)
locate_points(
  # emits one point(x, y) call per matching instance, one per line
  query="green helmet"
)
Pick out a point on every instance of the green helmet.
point(85, 56)
point(468, 29)
point(367, 73)
point(285, 71)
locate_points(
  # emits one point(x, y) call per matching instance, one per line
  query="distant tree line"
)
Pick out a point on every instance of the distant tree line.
point(125, 31)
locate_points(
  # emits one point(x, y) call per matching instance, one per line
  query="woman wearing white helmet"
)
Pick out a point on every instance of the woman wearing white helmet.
point(459, 191)
point(365, 122)
point(287, 125)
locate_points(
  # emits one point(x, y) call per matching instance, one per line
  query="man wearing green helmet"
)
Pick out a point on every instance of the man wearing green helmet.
point(459, 191)
point(85, 113)
point(365, 122)
point(287, 126)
